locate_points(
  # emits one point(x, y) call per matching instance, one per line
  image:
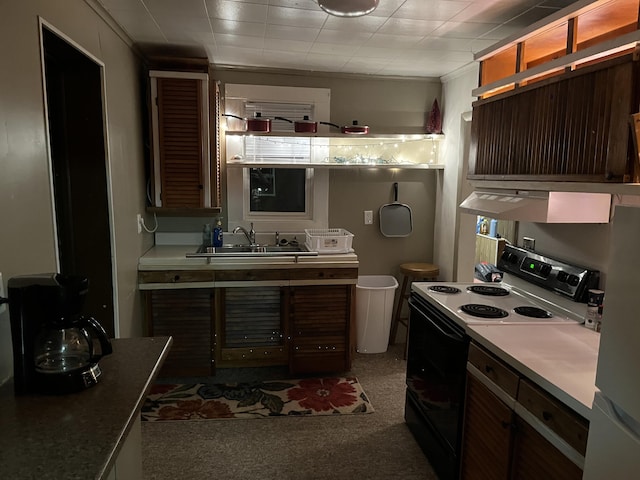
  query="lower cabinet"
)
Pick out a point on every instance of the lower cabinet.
point(487, 434)
point(499, 440)
point(309, 328)
point(187, 316)
point(250, 327)
point(321, 328)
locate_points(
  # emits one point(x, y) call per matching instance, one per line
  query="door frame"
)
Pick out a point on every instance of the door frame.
point(42, 23)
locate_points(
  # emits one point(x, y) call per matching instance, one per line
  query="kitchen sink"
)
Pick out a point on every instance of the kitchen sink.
point(252, 250)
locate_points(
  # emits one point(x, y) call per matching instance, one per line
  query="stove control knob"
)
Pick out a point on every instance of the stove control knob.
point(562, 276)
point(545, 270)
point(511, 258)
point(573, 280)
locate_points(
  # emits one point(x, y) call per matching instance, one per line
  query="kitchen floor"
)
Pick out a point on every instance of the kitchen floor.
point(372, 446)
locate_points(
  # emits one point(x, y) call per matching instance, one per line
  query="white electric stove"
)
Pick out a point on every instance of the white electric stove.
point(535, 289)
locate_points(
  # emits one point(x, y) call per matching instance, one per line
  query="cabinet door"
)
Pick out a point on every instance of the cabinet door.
point(185, 173)
point(320, 328)
point(186, 315)
point(487, 434)
point(534, 457)
point(250, 327)
point(570, 128)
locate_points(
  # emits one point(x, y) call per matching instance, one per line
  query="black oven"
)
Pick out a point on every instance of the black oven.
point(436, 373)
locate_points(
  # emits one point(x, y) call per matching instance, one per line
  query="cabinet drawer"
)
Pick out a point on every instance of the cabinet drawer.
point(564, 422)
point(494, 369)
point(252, 275)
point(176, 276)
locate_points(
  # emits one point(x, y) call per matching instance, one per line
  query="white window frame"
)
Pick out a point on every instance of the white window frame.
point(317, 192)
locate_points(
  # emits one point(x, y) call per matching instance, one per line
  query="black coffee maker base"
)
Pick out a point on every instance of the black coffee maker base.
point(68, 382)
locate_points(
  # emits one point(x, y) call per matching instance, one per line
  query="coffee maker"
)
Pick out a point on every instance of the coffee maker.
point(55, 348)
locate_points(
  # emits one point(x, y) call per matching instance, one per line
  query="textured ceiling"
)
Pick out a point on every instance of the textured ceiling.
point(417, 38)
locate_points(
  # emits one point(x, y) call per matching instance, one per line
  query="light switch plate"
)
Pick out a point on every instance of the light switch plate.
point(368, 217)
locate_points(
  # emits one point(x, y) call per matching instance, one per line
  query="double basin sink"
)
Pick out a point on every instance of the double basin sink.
point(252, 251)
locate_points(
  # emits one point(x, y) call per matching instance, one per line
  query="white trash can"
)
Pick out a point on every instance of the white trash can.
point(374, 305)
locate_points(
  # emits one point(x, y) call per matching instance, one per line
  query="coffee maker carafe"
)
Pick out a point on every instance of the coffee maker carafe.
point(53, 344)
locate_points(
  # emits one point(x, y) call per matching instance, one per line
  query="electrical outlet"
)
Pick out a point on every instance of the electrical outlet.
point(368, 217)
point(139, 223)
point(529, 243)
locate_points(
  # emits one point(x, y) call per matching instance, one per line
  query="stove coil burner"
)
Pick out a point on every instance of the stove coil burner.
point(444, 289)
point(534, 312)
point(490, 291)
point(483, 311)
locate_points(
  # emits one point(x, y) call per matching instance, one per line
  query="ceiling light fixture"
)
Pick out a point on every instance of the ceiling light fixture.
point(348, 8)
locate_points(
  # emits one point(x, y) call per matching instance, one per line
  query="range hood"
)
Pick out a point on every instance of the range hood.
point(539, 206)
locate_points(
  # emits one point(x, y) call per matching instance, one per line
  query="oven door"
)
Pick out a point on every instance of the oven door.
point(436, 372)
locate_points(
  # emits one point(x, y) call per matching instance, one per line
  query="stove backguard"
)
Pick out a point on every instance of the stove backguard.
point(557, 276)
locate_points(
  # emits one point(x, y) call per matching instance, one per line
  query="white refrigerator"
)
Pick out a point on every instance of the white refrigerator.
point(613, 446)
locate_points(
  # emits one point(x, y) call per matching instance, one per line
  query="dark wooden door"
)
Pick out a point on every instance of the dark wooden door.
point(534, 457)
point(78, 154)
point(187, 316)
point(320, 328)
point(487, 436)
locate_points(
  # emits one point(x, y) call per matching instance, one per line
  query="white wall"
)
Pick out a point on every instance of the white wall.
point(27, 234)
point(454, 241)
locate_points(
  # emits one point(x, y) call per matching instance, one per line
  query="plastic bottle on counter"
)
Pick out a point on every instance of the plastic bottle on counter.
point(493, 228)
point(217, 234)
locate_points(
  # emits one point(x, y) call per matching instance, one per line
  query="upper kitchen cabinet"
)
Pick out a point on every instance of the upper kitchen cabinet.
point(184, 138)
point(555, 102)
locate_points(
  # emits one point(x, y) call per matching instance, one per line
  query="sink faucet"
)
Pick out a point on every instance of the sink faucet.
point(251, 234)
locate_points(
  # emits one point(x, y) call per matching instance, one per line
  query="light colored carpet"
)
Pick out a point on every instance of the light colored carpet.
point(376, 446)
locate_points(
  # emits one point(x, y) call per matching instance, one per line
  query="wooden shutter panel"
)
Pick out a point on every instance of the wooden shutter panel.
point(186, 315)
point(181, 142)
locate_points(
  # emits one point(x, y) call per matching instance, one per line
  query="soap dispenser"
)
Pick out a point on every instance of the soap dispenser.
point(217, 234)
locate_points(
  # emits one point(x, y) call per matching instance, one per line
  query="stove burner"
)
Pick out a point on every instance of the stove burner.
point(534, 312)
point(486, 290)
point(444, 289)
point(483, 311)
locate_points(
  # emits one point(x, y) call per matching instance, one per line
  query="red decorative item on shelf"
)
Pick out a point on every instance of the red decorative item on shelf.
point(434, 124)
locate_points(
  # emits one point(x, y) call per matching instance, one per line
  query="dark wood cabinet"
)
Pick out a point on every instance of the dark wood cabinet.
point(572, 128)
point(187, 316)
point(499, 440)
point(253, 318)
point(487, 434)
point(251, 327)
point(321, 328)
point(185, 142)
point(534, 457)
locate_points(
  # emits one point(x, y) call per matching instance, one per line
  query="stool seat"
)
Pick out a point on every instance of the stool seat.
point(420, 270)
point(411, 271)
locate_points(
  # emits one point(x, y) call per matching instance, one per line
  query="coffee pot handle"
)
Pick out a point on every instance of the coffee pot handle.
point(105, 343)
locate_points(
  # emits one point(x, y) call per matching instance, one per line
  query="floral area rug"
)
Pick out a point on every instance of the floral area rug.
point(311, 396)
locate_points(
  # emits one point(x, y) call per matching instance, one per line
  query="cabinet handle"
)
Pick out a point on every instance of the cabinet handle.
point(176, 278)
point(547, 416)
point(510, 425)
point(488, 368)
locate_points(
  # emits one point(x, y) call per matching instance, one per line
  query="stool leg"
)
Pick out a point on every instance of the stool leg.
point(396, 318)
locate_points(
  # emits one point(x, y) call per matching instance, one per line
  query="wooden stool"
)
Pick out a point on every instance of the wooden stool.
point(411, 272)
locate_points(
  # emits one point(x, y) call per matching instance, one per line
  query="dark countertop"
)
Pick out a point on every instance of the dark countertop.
point(79, 436)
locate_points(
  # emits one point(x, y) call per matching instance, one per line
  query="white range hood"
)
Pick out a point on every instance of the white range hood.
point(539, 206)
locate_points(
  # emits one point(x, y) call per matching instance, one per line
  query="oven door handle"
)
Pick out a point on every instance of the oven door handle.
point(453, 336)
